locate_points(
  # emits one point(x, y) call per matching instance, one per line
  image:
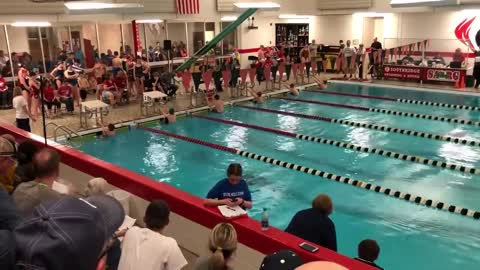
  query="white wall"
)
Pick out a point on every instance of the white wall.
point(128, 34)
point(368, 30)
point(110, 37)
point(18, 39)
point(176, 32)
point(378, 24)
point(437, 27)
point(88, 31)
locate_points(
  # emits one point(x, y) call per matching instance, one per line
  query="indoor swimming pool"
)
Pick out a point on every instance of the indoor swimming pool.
point(411, 236)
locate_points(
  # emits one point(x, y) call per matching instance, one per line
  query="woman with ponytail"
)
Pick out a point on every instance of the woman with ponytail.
point(222, 245)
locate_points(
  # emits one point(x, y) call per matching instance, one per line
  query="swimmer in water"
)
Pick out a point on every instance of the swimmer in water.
point(257, 96)
point(292, 89)
point(169, 115)
point(108, 131)
point(217, 105)
point(321, 84)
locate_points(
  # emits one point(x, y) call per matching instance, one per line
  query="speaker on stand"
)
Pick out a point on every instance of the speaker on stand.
point(167, 45)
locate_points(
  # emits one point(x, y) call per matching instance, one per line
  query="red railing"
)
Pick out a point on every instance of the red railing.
point(185, 204)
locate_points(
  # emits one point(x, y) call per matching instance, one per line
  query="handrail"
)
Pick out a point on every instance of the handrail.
point(65, 129)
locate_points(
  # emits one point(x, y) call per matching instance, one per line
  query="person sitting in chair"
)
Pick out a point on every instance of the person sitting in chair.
point(120, 82)
point(110, 91)
point(65, 95)
point(165, 82)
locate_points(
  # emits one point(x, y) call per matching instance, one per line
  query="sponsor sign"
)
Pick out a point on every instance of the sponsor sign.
point(402, 72)
point(443, 75)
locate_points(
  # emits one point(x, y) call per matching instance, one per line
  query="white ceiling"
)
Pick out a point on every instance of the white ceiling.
point(11, 10)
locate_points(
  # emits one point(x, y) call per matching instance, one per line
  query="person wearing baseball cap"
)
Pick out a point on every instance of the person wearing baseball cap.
point(7, 162)
point(70, 233)
point(281, 260)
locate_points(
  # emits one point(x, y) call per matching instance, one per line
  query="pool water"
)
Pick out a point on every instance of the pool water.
point(410, 236)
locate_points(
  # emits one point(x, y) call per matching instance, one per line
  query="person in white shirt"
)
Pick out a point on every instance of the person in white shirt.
point(313, 49)
point(22, 112)
point(360, 58)
point(348, 53)
point(147, 248)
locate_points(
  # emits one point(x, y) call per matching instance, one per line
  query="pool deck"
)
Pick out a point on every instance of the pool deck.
point(131, 112)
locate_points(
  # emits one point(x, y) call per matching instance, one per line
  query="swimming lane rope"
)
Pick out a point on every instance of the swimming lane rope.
point(381, 152)
point(401, 100)
point(384, 111)
point(369, 126)
point(420, 200)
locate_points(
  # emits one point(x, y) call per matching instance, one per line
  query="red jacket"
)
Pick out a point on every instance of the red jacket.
point(3, 84)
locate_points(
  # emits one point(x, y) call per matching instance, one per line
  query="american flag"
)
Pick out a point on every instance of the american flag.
point(188, 6)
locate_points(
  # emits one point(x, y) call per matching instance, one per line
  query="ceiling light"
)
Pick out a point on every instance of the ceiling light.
point(229, 18)
point(149, 21)
point(257, 5)
point(92, 5)
point(371, 14)
point(31, 24)
point(293, 16)
point(414, 3)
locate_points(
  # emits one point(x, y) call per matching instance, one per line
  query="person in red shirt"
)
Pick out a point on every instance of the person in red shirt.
point(183, 52)
point(280, 54)
point(121, 83)
point(64, 94)
point(5, 94)
point(268, 62)
point(110, 91)
point(120, 80)
point(50, 99)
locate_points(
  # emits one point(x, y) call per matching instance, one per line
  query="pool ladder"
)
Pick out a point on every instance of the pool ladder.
point(68, 131)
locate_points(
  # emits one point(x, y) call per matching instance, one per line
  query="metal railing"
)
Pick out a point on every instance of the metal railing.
point(68, 131)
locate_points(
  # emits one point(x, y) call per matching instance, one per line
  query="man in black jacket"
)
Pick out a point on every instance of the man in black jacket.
point(314, 225)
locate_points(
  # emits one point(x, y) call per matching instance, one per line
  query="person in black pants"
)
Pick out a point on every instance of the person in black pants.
point(217, 76)
point(476, 69)
point(235, 68)
point(22, 112)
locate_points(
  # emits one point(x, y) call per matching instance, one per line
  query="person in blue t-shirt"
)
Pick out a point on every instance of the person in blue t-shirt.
point(231, 191)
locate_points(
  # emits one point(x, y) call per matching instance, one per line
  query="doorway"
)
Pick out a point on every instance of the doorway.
point(372, 27)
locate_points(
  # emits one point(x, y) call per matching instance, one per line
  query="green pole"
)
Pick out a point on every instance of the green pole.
point(205, 49)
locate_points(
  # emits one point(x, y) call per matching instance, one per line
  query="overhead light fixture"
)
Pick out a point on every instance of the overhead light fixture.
point(293, 16)
point(149, 21)
point(470, 11)
point(416, 3)
point(31, 24)
point(95, 5)
point(229, 18)
point(261, 5)
point(371, 14)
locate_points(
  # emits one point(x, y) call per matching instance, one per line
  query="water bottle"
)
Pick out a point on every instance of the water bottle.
point(264, 220)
